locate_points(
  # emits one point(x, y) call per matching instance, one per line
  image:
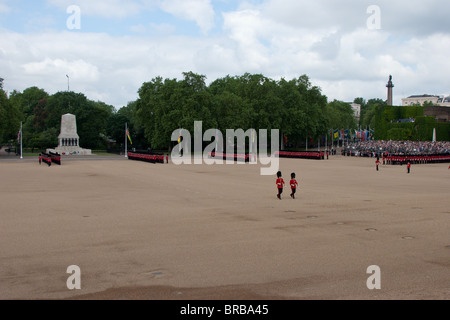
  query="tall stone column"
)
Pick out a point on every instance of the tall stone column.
point(389, 85)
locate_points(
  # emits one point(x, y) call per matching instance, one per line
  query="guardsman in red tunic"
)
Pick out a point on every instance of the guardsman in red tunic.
point(408, 167)
point(280, 183)
point(293, 184)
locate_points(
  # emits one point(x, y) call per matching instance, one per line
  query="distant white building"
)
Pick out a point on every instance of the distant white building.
point(426, 98)
point(444, 102)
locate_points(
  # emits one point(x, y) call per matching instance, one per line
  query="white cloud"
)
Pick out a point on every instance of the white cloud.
point(329, 43)
point(139, 28)
point(162, 29)
point(99, 65)
point(200, 11)
point(78, 69)
point(103, 8)
point(4, 8)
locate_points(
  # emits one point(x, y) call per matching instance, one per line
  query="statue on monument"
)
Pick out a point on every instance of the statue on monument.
point(390, 84)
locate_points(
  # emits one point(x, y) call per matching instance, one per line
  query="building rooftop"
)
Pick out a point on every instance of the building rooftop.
point(423, 96)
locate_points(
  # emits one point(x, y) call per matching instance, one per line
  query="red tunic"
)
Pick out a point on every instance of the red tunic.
point(293, 183)
point(280, 183)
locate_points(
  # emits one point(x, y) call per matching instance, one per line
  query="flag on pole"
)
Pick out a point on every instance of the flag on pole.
point(128, 135)
point(336, 134)
point(19, 134)
point(126, 141)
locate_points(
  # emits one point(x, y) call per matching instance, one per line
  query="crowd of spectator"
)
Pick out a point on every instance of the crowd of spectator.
point(373, 147)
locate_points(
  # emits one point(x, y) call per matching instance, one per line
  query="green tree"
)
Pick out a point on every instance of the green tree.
point(115, 126)
point(4, 104)
point(165, 106)
point(92, 117)
point(157, 111)
point(27, 100)
point(10, 117)
point(341, 115)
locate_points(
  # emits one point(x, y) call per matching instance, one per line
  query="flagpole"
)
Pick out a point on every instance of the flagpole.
point(332, 140)
point(21, 141)
point(126, 142)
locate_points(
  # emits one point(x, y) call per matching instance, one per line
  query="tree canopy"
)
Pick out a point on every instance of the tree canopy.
point(295, 106)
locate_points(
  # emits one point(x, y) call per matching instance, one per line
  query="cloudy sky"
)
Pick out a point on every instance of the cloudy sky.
point(108, 48)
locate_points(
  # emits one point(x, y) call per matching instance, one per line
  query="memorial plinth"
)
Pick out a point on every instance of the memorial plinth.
point(68, 139)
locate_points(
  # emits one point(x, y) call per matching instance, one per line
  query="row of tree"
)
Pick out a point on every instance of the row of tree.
point(418, 127)
point(296, 107)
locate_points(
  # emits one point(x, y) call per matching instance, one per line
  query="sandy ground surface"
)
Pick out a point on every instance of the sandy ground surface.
point(151, 231)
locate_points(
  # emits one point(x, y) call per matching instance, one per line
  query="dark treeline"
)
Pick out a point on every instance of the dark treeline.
point(97, 122)
point(296, 107)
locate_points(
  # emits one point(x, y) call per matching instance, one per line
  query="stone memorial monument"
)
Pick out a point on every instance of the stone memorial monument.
point(390, 85)
point(68, 139)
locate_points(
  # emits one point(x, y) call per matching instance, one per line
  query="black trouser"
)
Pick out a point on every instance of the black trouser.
point(293, 192)
point(280, 191)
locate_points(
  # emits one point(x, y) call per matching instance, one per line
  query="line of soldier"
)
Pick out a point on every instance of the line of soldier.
point(415, 159)
point(152, 158)
point(50, 158)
